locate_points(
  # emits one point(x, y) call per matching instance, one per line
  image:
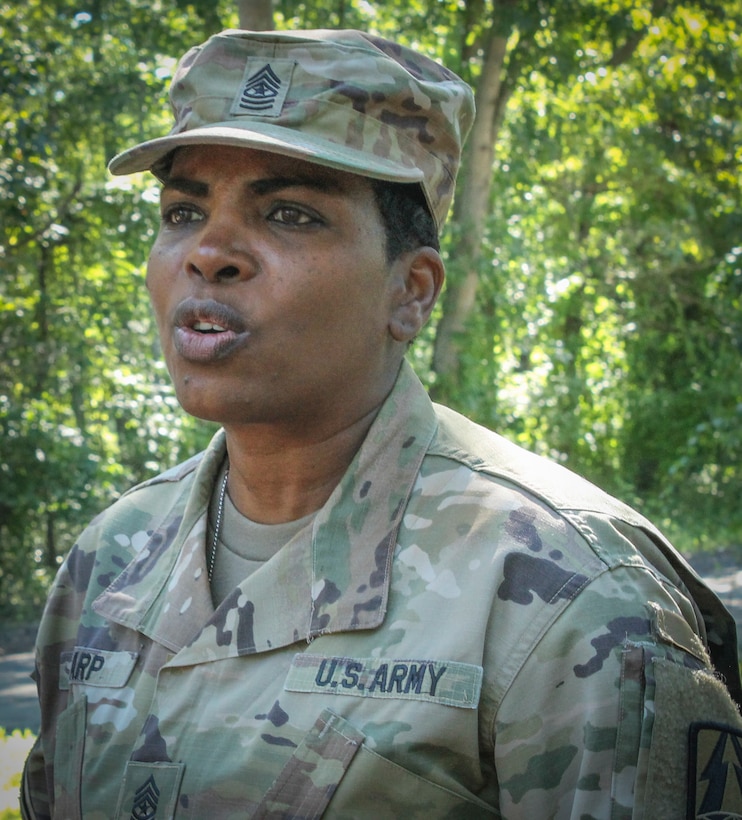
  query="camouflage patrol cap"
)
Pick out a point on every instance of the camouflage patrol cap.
point(343, 99)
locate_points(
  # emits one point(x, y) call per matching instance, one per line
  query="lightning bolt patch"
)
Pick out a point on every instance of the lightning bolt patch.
point(715, 776)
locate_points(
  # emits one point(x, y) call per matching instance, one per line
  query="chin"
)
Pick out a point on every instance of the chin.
point(203, 414)
point(214, 406)
point(198, 401)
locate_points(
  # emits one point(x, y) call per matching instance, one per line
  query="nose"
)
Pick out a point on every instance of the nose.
point(219, 252)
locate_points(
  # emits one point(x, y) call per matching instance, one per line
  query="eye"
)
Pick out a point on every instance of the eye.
point(293, 216)
point(181, 215)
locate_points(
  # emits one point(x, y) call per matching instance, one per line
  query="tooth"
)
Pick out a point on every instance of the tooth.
point(208, 326)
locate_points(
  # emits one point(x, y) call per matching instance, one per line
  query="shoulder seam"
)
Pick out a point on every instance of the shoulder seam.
point(601, 501)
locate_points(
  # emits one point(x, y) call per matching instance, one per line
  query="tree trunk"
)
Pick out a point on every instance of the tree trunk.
point(470, 210)
point(256, 15)
point(50, 552)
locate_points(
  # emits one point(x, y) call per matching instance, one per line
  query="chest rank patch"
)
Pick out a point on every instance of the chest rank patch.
point(149, 791)
point(449, 683)
point(264, 88)
point(715, 776)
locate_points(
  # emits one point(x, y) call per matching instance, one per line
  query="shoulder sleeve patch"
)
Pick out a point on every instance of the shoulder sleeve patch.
point(715, 776)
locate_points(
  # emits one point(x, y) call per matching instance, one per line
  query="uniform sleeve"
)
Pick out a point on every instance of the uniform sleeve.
point(33, 800)
point(617, 713)
point(56, 635)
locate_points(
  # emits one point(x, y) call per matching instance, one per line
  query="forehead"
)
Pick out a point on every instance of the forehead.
point(230, 162)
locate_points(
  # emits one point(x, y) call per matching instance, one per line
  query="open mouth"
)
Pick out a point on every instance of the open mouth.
point(207, 330)
point(208, 316)
point(208, 327)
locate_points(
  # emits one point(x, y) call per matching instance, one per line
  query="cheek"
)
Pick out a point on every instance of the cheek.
point(156, 261)
point(158, 289)
point(158, 280)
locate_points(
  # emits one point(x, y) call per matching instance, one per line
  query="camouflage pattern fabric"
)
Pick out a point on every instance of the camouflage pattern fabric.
point(344, 99)
point(468, 631)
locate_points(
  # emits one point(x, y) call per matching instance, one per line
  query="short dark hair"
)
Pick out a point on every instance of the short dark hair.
point(406, 217)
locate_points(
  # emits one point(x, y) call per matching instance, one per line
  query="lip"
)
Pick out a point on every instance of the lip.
point(197, 346)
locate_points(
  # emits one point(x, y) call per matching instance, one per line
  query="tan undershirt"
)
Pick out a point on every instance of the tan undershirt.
point(243, 544)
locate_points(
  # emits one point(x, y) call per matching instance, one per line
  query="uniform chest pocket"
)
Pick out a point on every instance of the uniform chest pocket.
point(332, 774)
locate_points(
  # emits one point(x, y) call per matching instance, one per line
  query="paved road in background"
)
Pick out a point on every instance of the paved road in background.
point(18, 706)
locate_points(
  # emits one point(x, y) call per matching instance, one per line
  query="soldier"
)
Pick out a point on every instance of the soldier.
point(355, 603)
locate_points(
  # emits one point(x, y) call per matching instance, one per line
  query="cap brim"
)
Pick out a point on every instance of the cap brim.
point(271, 138)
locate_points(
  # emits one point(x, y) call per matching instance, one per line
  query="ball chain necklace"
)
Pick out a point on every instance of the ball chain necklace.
point(218, 523)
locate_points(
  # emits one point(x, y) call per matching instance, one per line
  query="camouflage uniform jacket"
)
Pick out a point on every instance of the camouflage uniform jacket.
point(468, 631)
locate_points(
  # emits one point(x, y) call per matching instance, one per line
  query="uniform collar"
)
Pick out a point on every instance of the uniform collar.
point(336, 580)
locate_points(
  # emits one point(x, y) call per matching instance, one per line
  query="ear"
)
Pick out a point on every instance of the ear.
point(418, 277)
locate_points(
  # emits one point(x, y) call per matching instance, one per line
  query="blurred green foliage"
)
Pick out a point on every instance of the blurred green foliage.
point(607, 331)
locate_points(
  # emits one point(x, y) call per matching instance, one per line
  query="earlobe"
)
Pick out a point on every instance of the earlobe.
point(419, 274)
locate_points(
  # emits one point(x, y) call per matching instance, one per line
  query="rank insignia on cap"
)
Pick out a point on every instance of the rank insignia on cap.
point(715, 774)
point(264, 88)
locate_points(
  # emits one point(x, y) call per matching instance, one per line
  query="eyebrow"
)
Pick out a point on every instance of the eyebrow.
point(186, 186)
point(259, 187)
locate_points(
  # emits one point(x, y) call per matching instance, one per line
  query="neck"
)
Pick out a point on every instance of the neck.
point(272, 480)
